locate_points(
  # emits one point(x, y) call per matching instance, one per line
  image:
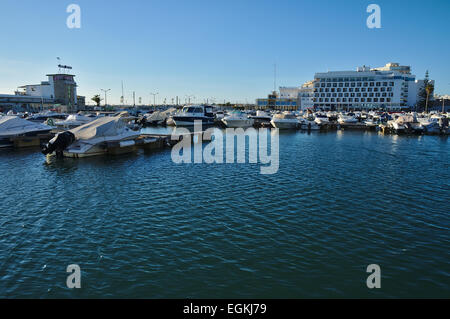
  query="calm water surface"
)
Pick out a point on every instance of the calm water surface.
point(141, 226)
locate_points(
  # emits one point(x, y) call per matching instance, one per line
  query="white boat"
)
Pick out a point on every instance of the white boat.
point(237, 119)
point(43, 116)
point(13, 127)
point(191, 114)
point(347, 119)
point(321, 119)
point(72, 121)
point(309, 124)
point(102, 136)
point(261, 118)
point(285, 120)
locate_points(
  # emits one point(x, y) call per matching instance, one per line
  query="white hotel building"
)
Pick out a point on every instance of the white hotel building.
point(391, 87)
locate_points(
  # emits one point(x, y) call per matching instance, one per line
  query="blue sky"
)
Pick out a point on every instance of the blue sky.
point(220, 49)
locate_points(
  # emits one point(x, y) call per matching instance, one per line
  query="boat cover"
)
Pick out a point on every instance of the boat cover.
point(102, 127)
point(13, 126)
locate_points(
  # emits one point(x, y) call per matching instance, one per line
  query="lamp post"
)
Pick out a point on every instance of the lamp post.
point(106, 97)
point(154, 98)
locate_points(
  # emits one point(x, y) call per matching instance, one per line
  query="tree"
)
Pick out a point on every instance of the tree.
point(424, 94)
point(97, 99)
point(429, 89)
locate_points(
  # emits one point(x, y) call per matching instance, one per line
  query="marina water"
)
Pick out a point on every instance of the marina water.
point(140, 226)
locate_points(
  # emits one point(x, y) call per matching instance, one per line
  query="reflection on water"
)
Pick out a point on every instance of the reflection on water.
point(141, 226)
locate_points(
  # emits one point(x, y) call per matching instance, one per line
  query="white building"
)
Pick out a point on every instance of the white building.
point(389, 87)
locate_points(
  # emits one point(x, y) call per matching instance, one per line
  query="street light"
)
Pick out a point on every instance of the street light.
point(106, 98)
point(154, 98)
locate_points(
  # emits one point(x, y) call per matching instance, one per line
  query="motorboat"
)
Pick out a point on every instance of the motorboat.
point(321, 118)
point(285, 120)
point(72, 121)
point(347, 119)
point(14, 130)
point(237, 119)
point(193, 113)
point(261, 118)
point(43, 116)
point(106, 135)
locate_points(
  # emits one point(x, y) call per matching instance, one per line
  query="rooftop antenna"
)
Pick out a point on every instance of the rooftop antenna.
point(59, 64)
point(122, 97)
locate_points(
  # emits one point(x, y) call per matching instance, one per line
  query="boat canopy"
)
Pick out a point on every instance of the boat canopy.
point(13, 125)
point(102, 127)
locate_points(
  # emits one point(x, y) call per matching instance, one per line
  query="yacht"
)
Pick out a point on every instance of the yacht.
point(13, 129)
point(321, 118)
point(285, 120)
point(237, 119)
point(43, 116)
point(106, 135)
point(261, 118)
point(193, 113)
point(72, 121)
point(347, 119)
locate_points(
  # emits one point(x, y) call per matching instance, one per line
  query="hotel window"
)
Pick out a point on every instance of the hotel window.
point(359, 84)
point(322, 85)
point(378, 83)
point(332, 100)
point(350, 90)
point(363, 100)
point(381, 100)
point(369, 90)
point(338, 100)
point(340, 94)
point(346, 80)
point(344, 90)
point(352, 95)
point(365, 94)
point(369, 100)
point(339, 90)
point(391, 83)
point(385, 84)
point(320, 100)
point(375, 100)
point(366, 84)
point(357, 90)
point(358, 94)
point(328, 94)
point(377, 94)
point(347, 85)
point(391, 94)
point(322, 95)
point(375, 89)
point(353, 85)
point(334, 94)
point(363, 89)
point(341, 85)
point(388, 100)
point(328, 85)
point(350, 100)
point(333, 90)
point(389, 89)
point(356, 100)
point(372, 84)
point(344, 100)
point(384, 95)
point(371, 94)
point(346, 94)
point(326, 100)
point(335, 85)
point(383, 89)
point(327, 90)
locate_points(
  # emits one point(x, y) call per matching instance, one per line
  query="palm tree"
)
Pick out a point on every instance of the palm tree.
point(97, 99)
point(429, 88)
